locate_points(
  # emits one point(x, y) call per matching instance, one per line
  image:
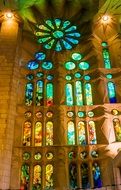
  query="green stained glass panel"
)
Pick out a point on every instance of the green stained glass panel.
point(49, 44)
point(39, 74)
point(109, 76)
point(37, 156)
point(58, 34)
point(111, 92)
point(49, 23)
point(29, 94)
point(88, 94)
point(65, 24)
point(87, 77)
point(77, 75)
point(70, 65)
point(69, 95)
point(25, 175)
point(58, 46)
point(81, 133)
point(50, 77)
point(42, 40)
point(81, 114)
point(58, 22)
point(71, 133)
point(104, 44)
point(106, 58)
point(49, 94)
point(39, 93)
point(79, 96)
point(76, 56)
point(70, 29)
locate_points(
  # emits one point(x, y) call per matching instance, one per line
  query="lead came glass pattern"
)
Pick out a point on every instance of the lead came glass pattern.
point(29, 94)
point(27, 134)
point(79, 96)
point(39, 93)
point(38, 134)
point(69, 94)
point(81, 133)
point(37, 177)
point(111, 92)
point(71, 133)
point(57, 34)
point(49, 176)
point(49, 94)
point(25, 175)
point(106, 56)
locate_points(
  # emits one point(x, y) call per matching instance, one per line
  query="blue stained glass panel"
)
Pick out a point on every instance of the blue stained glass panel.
point(88, 94)
point(79, 96)
point(96, 176)
point(72, 40)
point(75, 34)
point(29, 94)
point(112, 92)
point(25, 175)
point(85, 175)
point(40, 56)
point(70, 29)
point(69, 95)
point(58, 46)
point(66, 45)
point(39, 93)
point(32, 65)
point(47, 65)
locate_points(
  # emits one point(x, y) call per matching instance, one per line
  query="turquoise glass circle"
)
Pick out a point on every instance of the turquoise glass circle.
point(29, 77)
point(81, 114)
point(104, 44)
point(47, 65)
point(77, 75)
point(87, 77)
point(68, 77)
point(49, 77)
point(90, 114)
point(32, 65)
point(58, 34)
point(76, 56)
point(84, 65)
point(70, 65)
point(109, 76)
point(39, 74)
point(40, 56)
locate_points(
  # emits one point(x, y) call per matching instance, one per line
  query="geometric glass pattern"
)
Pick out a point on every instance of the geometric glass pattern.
point(57, 34)
point(106, 56)
point(71, 133)
point(88, 94)
point(92, 133)
point(69, 95)
point(81, 133)
point(29, 94)
point(25, 176)
point(111, 92)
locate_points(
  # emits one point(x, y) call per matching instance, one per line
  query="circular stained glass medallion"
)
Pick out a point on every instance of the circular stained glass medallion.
point(81, 114)
point(104, 44)
point(70, 65)
point(72, 155)
point(30, 76)
point(49, 155)
point(40, 56)
point(76, 56)
point(94, 154)
point(38, 114)
point(87, 77)
point(37, 156)
point(70, 113)
point(109, 76)
point(84, 65)
point(32, 65)
point(26, 156)
point(83, 154)
point(39, 74)
point(90, 114)
point(57, 34)
point(50, 77)
point(77, 75)
point(115, 112)
point(49, 114)
point(47, 65)
point(68, 77)
point(27, 114)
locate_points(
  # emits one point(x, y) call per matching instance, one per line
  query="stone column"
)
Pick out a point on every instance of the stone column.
point(8, 95)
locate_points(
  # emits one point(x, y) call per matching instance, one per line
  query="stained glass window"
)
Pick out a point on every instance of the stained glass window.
point(37, 177)
point(32, 65)
point(81, 133)
point(70, 65)
point(25, 176)
point(94, 154)
point(49, 176)
point(92, 132)
point(109, 76)
point(96, 176)
point(40, 56)
point(49, 93)
point(26, 156)
point(49, 155)
point(69, 95)
point(111, 92)
point(49, 133)
point(84, 175)
point(38, 134)
point(47, 65)
point(84, 65)
point(81, 114)
point(30, 77)
point(57, 34)
point(79, 96)
point(117, 129)
point(37, 156)
point(76, 56)
point(83, 155)
point(77, 75)
point(39, 93)
point(106, 56)
point(73, 175)
point(71, 133)
point(88, 94)
point(27, 134)
point(72, 155)
point(29, 94)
